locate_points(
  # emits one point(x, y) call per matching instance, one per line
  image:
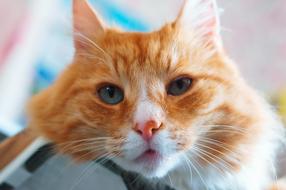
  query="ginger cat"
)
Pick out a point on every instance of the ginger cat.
point(169, 103)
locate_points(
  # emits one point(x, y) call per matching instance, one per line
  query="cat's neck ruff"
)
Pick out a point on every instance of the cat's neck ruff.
point(256, 174)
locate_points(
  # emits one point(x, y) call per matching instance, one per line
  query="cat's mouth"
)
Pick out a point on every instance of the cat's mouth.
point(150, 156)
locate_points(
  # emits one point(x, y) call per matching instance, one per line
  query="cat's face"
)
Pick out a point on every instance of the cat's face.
point(145, 100)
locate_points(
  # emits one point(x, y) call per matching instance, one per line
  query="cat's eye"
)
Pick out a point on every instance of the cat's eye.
point(110, 94)
point(179, 86)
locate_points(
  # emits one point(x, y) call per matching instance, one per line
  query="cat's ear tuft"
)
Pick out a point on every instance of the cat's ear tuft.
point(201, 17)
point(86, 23)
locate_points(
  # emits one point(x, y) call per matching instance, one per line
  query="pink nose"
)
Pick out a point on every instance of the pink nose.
point(147, 129)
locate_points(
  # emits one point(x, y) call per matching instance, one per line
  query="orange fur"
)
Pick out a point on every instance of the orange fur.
point(70, 111)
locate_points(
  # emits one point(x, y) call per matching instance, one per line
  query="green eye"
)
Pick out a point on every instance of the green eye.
point(179, 86)
point(110, 94)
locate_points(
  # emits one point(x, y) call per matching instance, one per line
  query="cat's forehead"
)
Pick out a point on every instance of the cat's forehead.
point(156, 50)
point(163, 54)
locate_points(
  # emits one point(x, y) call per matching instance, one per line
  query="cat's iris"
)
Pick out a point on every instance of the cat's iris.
point(179, 86)
point(110, 94)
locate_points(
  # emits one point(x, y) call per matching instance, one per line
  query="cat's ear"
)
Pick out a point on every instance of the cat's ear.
point(200, 17)
point(86, 23)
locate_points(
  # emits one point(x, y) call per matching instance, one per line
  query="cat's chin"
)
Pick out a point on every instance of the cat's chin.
point(150, 165)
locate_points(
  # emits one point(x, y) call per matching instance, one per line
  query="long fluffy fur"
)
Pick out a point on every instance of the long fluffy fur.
point(220, 134)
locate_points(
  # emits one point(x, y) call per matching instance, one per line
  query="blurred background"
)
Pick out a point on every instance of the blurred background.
point(36, 44)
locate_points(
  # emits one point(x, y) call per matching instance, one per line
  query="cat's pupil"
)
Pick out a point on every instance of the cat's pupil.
point(180, 84)
point(110, 91)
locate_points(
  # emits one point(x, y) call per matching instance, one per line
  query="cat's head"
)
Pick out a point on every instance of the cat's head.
point(146, 100)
